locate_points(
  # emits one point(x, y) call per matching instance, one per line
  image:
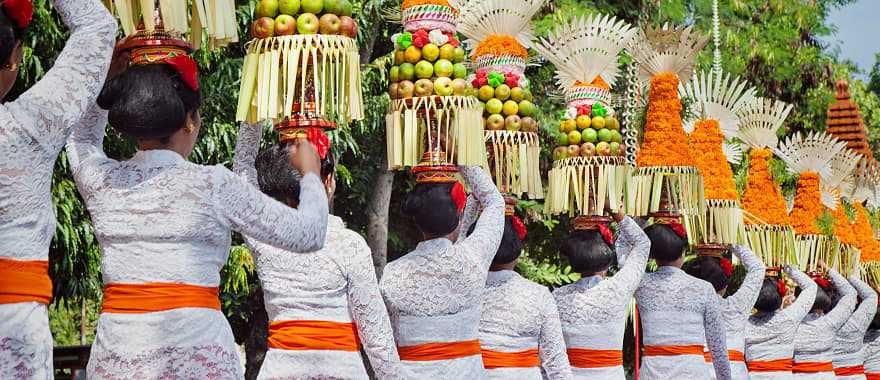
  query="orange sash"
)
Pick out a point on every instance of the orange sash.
point(521, 359)
point(872, 376)
point(153, 297)
point(780, 365)
point(850, 371)
point(314, 335)
point(812, 367)
point(586, 358)
point(694, 349)
point(732, 355)
point(25, 281)
point(439, 351)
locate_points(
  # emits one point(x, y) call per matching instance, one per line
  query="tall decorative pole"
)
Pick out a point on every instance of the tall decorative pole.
point(631, 98)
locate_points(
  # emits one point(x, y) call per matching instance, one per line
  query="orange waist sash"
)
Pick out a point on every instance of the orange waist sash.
point(153, 297)
point(314, 335)
point(694, 349)
point(25, 281)
point(586, 358)
point(520, 359)
point(850, 371)
point(812, 367)
point(781, 365)
point(872, 376)
point(439, 351)
point(732, 355)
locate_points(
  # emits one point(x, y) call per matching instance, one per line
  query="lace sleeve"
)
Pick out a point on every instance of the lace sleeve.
point(551, 344)
point(48, 110)
point(368, 311)
point(266, 220)
point(864, 313)
point(715, 336)
point(246, 148)
point(468, 217)
point(86, 142)
point(639, 246)
point(744, 299)
point(487, 234)
point(796, 312)
point(845, 304)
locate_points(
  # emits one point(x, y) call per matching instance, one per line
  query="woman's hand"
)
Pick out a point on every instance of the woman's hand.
point(304, 157)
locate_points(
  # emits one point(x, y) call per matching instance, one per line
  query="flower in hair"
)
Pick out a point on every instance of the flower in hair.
point(679, 230)
point(606, 234)
point(187, 69)
point(20, 11)
point(780, 287)
point(459, 197)
point(726, 267)
point(319, 139)
point(519, 227)
point(823, 283)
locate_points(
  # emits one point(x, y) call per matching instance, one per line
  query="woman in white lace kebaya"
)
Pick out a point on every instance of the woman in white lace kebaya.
point(770, 332)
point(322, 306)
point(735, 308)
point(815, 335)
point(872, 349)
point(593, 310)
point(849, 353)
point(33, 130)
point(680, 314)
point(434, 293)
point(164, 226)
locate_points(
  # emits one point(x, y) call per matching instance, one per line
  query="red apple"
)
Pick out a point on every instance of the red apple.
point(459, 87)
point(603, 149)
point(329, 24)
point(560, 153)
point(574, 151)
point(392, 90)
point(513, 123)
point(285, 25)
point(424, 87)
point(588, 149)
point(348, 27)
point(405, 89)
point(264, 27)
point(307, 23)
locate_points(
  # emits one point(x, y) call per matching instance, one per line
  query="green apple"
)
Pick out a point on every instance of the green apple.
point(513, 123)
point(430, 52)
point(526, 108)
point(562, 139)
point(458, 54)
point(495, 122)
point(613, 124)
point(443, 86)
point(494, 106)
point(486, 93)
point(345, 8)
point(333, 7)
point(590, 135)
point(574, 137)
point(502, 92)
point(459, 71)
point(517, 94)
point(528, 95)
point(407, 71)
point(615, 136)
point(267, 8)
point(443, 68)
point(424, 70)
point(312, 6)
point(395, 73)
point(289, 7)
point(615, 148)
point(604, 135)
point(447, 52)
point(603, 149)
point(307, 23)
point(510, 107)
point(424, 87)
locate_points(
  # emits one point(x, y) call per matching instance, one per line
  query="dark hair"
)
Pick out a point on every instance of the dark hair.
point(10, 34)
point(823, 300)
point(148, 101)
point(587, 252)
point(875, 323)
point(431, 207)
point(707, 269)
point(769, 299)
point(666, 245)
point(328, 165)
point(276, 176)
point(511, 246)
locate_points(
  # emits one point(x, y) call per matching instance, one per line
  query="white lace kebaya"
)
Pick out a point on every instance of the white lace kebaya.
point(336, 284)
point(163, 220)
point(770, 336)
point(849, 351)
point(815, 335)
point(434, 293)
point(33, 130)
point(593, 311)
point(872, 354)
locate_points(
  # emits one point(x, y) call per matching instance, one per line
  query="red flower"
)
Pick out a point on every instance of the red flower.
point(319, 139)
point(679, 230)
point(780, 287)
point(511, 79)
point(420, 38)
point(459, 197)
point(726, 267)
point(187, 69)
point(519, 227)
point(606, 234)
point(823, 283)
point(20, 11)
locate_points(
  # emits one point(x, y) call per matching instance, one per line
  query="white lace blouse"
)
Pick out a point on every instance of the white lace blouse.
point(33, 130)
point(434, 293)
point(677, 309)
point(770, 336)
point(849, 342)
point(162, 219)
point(872, 352)
point(593, 311)
point(815, 335)
point(336, 284)
point(520, 315)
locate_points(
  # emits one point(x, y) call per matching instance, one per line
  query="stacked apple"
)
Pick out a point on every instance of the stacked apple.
point(588, 131)
point(288, 17)
point(427, 64)
point(506, 105)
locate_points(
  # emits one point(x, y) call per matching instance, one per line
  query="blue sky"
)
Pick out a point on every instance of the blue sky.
point(858, 32)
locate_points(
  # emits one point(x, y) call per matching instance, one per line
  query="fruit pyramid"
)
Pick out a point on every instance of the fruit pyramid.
point(810, 157)
point(215, 18)
point(302, 68)
point(768, 231)
point(431, 106)
point(502, 32)
point(666, 179)
point(588, 170)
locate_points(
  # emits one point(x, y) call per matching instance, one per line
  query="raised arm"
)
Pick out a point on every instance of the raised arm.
point(716, 338)
point(48, 110)
point(258, 216)
point(86, 141)
point(551, 343)
point(744, 299)
point(487, 234)
point(845, 304)
point(246, 149)
point(468, 216)
point(368, 311)
point(861, 318)
point(796, 312)
point(633, 268)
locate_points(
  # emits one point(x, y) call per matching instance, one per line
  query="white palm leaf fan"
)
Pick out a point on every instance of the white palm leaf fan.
point(479, 19)
point(840, 181)
point(721, 97)
point(667, 49)
point(733, 151)
point(810, 154)
point(760, 120)
point(215, 18)
point(867, 178)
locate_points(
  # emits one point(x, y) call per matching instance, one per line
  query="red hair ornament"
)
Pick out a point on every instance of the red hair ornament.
point(823, 283)
point(726, 267)
point(186, 67)
point(780, 287)
point(19, 11)
point(606, 233)
point(519, 227)
point(459, 197)
point(319, 139)
point(679, 230)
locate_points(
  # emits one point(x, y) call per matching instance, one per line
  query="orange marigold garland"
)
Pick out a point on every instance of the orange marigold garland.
point(864, 235)
point(500, 45)
point(706, 143)
point(762, 197)
point(807, 205)
point(843, 229)
point(665, 143)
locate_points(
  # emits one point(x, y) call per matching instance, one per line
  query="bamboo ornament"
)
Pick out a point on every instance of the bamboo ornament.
point(449, 123)
point(195, 18)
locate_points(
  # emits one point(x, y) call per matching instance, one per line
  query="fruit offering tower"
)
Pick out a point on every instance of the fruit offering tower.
point(811, 158)
point(667, 181)
point(431, 110)
point(302, 68)
point(719, 97)
point(214, 18)
point(503, 31)
point(768, 231)
point(837, 186)
point(589, 170)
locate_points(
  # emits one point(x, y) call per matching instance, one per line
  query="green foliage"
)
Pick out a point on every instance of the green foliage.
point(546, 273)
